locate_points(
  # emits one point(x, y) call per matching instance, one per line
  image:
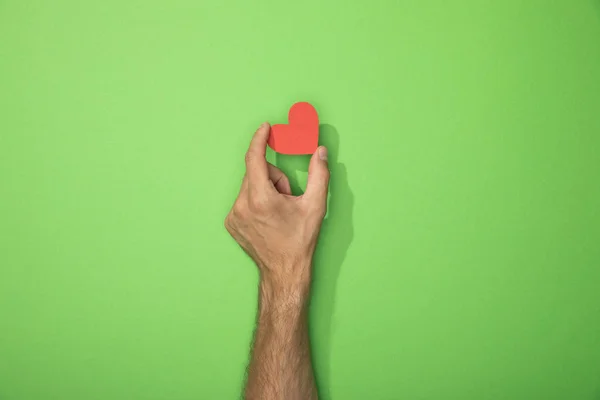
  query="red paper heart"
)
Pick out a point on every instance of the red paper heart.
point(301, 135)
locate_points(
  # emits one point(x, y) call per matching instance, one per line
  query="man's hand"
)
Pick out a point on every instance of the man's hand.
point(279, 231)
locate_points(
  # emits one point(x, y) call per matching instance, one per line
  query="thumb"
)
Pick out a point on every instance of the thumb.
point(318, 179)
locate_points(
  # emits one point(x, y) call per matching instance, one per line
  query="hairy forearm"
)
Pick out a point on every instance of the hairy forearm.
point(280, 366)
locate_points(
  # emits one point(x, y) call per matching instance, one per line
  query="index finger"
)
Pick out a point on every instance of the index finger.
point(256, 163)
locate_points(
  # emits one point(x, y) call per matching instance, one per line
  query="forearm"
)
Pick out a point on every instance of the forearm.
point(280, 366)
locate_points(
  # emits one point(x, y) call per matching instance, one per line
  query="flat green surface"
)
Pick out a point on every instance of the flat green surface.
point(461, 254)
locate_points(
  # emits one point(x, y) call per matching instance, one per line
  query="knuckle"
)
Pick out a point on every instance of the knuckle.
point(325, 180)
point(258, 203)
point(228, 223)
point(237, 211)
point(249, 157)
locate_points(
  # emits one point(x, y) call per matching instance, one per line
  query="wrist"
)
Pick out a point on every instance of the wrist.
point(283, 294)
point(288, 275)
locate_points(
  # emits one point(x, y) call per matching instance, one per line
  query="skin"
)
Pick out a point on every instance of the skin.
point(279, 232)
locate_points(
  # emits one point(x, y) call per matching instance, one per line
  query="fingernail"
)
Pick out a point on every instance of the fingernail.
point(323, 153)
point(264, 124)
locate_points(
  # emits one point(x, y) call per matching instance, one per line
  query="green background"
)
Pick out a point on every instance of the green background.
point(460, 258)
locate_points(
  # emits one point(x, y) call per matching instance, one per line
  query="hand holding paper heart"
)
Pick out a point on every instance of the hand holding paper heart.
point(300, 135)
point(278, 230)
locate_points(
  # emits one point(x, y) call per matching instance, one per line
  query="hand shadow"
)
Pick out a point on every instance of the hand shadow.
point(334, 241)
